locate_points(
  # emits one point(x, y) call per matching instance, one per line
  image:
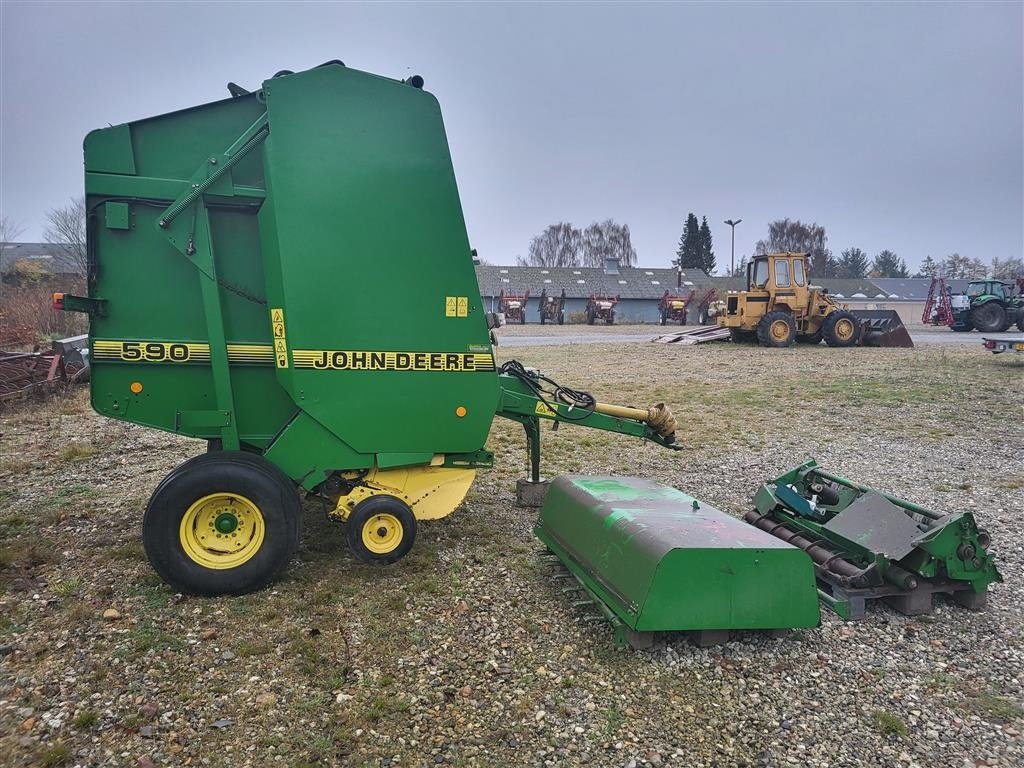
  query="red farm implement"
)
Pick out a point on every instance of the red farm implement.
point(601, 308)
point(514, 306)
point(674, 308)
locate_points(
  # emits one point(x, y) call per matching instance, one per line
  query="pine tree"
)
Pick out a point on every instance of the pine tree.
point(888, 264)
point(707, 249)
point(853, 263)
point(928, 268)
point(688, 254)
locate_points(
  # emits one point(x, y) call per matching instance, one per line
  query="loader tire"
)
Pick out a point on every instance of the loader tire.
point(809, 338)
point(381, 530)
point(841, 329)
point(990, 317)
point(776, 329)
point(222, 523)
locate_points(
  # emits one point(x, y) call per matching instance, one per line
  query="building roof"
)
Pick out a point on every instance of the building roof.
point(50, 257)
point(651, 283)
point(915, 288)
point(581, 282)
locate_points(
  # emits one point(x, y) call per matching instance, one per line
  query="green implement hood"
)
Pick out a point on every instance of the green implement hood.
point(661, 560)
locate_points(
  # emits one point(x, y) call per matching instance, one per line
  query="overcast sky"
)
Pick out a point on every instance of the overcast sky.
point(895, 126)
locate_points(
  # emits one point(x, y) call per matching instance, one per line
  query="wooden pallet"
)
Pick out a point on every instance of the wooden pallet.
point(695, 335)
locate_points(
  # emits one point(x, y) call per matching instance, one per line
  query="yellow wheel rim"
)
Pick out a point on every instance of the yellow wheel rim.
point(222, 530)
point(844, 329)
point(382, 534)
point(780, 330)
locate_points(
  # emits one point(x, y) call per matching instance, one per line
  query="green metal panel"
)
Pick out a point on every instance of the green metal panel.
point(117, 215)
point(342, 214)
point(662, 560)
point(364, 243)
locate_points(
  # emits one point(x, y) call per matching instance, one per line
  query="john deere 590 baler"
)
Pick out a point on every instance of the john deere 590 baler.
point(246, 259)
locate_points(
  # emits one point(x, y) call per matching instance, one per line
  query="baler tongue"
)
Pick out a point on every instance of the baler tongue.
point(654, 559)
point(882, 328)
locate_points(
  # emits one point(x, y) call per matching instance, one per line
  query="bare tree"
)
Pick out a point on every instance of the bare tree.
point(607, 240)
point(65, 229)
point(10, 231)
point(559, 245)
point(1007, 269)
point(786, 235)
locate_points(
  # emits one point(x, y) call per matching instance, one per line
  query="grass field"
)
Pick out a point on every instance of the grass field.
point(465, 653)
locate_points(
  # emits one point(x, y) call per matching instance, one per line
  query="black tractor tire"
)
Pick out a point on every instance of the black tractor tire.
point(841, 329)
point(740, 336)
point(809, 338)
point(243, 480)
point(389, 526)
point(776, 329)
point(990, 317)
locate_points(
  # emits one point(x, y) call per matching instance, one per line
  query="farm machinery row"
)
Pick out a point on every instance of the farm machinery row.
point(245, 346)
point(989, 306)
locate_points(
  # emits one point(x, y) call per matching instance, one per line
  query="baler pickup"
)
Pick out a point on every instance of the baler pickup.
point(654, 559)
point(866, 544)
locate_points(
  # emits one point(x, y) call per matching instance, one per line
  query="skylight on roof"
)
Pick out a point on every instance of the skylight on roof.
point(503, 271)
point(622, 282)
point(687, 282)
point(547, 281)
point(580, 282)
point(545, 271)
point(504, 279)
point(655, 282)
point(576, 272)
point(648, 273)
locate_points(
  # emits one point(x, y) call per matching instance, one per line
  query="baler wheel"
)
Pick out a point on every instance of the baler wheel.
point(222, 523)
point(381, 530)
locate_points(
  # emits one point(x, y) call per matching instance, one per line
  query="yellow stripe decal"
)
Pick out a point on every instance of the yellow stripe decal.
point(108, 350)
point(365, 360)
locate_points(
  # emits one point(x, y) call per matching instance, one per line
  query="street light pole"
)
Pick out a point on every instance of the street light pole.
point(732, 257)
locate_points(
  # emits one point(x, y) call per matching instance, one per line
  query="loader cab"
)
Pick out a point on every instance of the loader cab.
point(778, 270)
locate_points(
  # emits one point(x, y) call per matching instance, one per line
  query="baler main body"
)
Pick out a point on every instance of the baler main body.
point(340, 193)
point(286, 274)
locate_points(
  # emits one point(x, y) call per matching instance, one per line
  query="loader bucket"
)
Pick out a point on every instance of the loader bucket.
point(882, 328)
point(657, 559)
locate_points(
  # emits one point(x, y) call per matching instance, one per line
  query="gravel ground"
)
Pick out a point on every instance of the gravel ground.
point(466, 653)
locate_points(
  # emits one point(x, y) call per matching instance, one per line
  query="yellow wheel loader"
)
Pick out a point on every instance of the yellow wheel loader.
point(781, 307)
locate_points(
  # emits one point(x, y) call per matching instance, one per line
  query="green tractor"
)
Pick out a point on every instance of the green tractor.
point(991, 306)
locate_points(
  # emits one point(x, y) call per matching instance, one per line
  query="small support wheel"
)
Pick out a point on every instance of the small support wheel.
point(381, 530)
point(222, 523)
point(776, 329)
